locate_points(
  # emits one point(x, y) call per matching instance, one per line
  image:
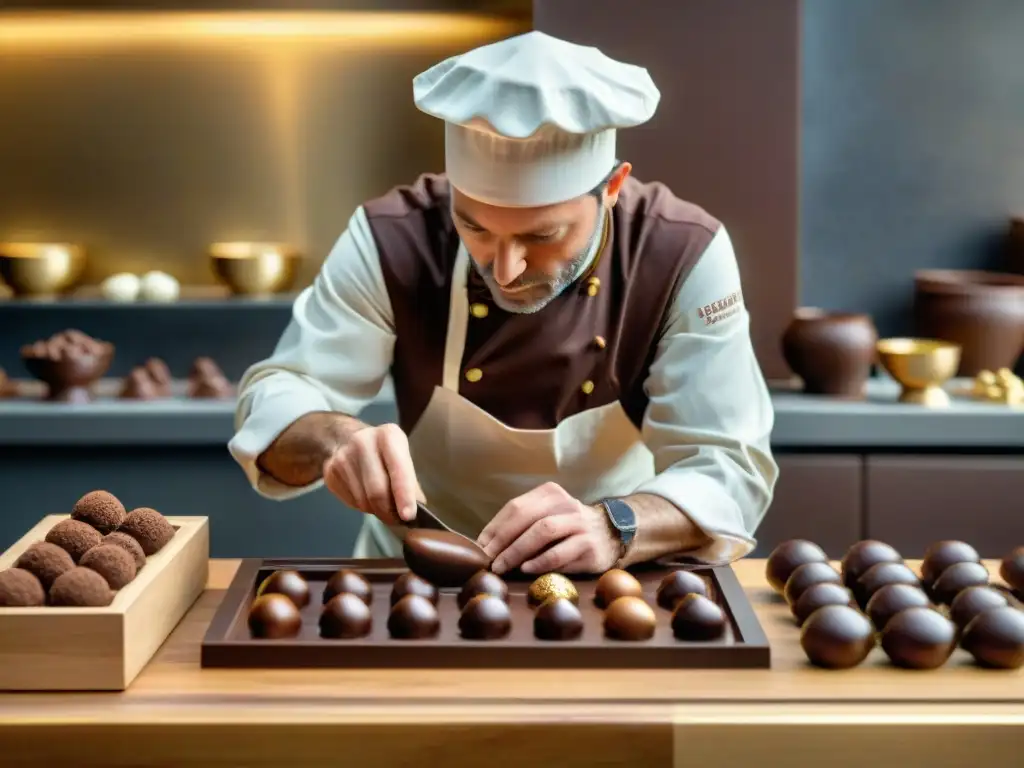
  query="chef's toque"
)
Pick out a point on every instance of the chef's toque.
point(531, 120)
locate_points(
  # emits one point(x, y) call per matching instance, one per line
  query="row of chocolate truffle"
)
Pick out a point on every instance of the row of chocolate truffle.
point(85, 559)
point(918, 620)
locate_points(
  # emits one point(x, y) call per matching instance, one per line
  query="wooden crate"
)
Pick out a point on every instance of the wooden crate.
point(103, 649)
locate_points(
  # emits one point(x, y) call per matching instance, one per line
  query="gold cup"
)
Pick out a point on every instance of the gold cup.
point(41, 269)
point(921, 366)
point(254, 269)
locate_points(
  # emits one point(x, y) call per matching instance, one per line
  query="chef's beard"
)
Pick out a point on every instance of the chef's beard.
point(536, 292)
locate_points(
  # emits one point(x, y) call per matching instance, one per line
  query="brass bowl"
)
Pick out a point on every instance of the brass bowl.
point(921, 366)
point(41, 269)
point(254, 269)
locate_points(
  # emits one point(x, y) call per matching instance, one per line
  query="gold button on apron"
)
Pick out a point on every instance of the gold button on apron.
point(479, 310)
point(474, 374)
point(592, 285)
point(599, 342)
point(588, 387)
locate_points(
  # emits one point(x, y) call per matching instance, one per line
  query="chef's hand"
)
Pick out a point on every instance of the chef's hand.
point(523, 532)
point(373, 473)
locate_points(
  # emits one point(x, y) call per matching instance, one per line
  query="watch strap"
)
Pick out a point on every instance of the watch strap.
point(622, 519)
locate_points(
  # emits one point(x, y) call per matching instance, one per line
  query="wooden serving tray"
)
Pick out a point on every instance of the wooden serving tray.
point(228, 642)
point(103, 649)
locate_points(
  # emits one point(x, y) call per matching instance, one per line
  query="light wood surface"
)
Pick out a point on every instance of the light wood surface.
point(176, 713)
point(103, 649)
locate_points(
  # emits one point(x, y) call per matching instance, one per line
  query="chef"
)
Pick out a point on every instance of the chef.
point(569, 347)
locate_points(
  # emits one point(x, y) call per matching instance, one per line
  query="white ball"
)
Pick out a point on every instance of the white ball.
point(121, 287)
point(159, 286)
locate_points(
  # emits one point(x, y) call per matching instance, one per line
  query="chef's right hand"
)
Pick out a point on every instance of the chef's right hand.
point(373, 472)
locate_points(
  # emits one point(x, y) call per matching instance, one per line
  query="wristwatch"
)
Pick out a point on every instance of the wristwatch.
point(623, 520)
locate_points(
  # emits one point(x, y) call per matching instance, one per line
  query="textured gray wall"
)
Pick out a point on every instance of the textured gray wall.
point(912, 146)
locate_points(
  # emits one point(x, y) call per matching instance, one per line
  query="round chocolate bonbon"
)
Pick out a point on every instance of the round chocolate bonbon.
point(807, 576)
point(818, 596)
point(558, 619)
point(973, 601)
point(483, 583)
point(942, 554)
point(629, 618)
point(552, 585)
point(678, 585)
point(837, 637)
point(345, 616)
point(443, 558)
point(696, 618)
point(995, 638)
point(411, 584)
point(892, 599)
point(864, 554)
point(956, 578)
point(789, 556)
point(882, 575)
point(919, 638)
point(273, 617)
point(614, 584)
point(413, 618)
point(485, 617)
point(348, 582)
point(1011, 570)
point(289, 583)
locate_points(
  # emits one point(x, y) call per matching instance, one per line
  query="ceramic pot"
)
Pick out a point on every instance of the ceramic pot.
point(831, 351)
point(983, 312)
point(1015, 246)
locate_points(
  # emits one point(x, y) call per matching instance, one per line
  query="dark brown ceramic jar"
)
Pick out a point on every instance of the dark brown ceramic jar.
point(983, 312)
point(831, 351)
point(1015, 245)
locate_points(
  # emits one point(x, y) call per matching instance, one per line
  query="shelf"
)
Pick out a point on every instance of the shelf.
point(199, 297)
point(510, 8)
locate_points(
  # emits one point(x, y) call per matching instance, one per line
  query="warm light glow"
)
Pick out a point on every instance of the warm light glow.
point(110, 29)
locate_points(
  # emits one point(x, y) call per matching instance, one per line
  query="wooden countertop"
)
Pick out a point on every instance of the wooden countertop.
point(179, 714)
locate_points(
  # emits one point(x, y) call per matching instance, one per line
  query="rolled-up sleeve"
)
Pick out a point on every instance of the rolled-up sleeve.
point(334, 354)
point(710, 415)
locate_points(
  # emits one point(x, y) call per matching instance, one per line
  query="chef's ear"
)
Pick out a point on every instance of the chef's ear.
point(615, 182)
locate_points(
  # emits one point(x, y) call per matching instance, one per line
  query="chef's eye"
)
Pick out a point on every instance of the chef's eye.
point(544, 237)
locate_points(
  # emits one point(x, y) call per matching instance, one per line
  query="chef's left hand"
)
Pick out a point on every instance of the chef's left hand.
point(523, 532)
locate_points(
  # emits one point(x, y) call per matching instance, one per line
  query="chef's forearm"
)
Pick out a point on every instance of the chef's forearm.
point(297, 456)
point(662, 529)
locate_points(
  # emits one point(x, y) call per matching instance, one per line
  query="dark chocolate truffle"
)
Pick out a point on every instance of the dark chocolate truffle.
point(892, 599)
point(629, 618)
point(20, 589)
point(678, 585)
point(112, 563)
point(864, 554)
point(942, 554)
point(348, 582)
point(789, 556)
point(443, 558)
point(46, 562)
point(483, 583)
point(995, 638)
point(882, 575)
point(558, 619)
point(274, 616)
point(411, 584)
point(614, 584)
point(837, 637)
point(413, 618)
point(485, 617)
point(74, 537)
point(973, 601)
point(698, 619)
point(956, 578)
point(149, 528)
point(101, 510)
point(128, 544)
point(817, 596)
point(345, 616)
point(1011, 570)
point(919, 638)
point(289, 583)
point(81, 587)
point(808, 575)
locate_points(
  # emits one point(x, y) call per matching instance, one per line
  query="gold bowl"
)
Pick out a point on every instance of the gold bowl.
point(254, 269)
point(41, 269)
point(921, 366)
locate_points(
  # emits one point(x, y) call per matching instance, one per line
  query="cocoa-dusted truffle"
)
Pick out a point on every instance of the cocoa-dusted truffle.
point(149, 528)
point(45, 561)
point(206, 380)
point(74, 537)
point(112, 563)
point(128, 544)
point(102, 510)
point(19, 588)
point(139, 385)
point(81, 587)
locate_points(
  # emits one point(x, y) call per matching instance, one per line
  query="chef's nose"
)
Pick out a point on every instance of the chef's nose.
point(509, 262)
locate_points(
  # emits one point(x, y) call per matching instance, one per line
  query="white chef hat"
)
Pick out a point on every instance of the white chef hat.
point(531, 120)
